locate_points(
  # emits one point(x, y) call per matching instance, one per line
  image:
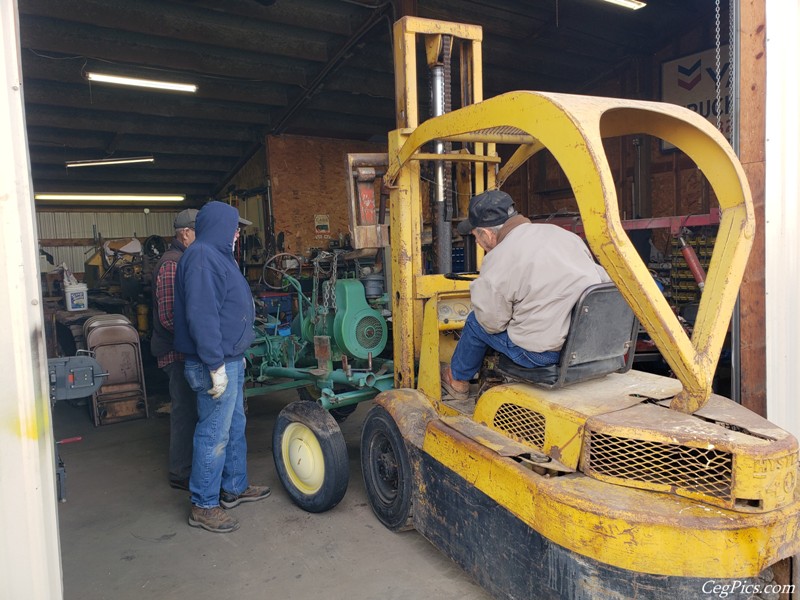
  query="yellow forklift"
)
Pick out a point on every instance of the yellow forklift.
point(587, 479)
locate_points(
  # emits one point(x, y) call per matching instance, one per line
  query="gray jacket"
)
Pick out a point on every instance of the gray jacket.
point(530, 282)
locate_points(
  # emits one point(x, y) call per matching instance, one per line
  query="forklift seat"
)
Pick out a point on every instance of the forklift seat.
point(601, 340)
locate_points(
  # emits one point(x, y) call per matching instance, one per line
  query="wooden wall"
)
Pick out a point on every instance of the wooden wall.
point(309, 181)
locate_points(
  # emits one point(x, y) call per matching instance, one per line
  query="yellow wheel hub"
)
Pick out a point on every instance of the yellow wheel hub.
point(303, 458)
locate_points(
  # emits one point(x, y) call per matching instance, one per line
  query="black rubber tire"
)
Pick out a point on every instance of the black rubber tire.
point(310, 456)
point(387, 473)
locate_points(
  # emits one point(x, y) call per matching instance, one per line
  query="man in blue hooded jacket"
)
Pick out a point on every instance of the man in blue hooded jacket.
point(214, 316)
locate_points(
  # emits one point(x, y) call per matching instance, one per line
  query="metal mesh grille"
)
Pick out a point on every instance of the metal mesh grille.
point(522, 423)
point(697, 470)
point(502, 130)
point(369, 332)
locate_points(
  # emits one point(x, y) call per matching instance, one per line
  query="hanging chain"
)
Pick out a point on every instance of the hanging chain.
point(332, 280)
point(718, 78)
point(329, 286)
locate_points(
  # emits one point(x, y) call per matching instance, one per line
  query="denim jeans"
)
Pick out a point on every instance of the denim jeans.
point(220, 449)
point(474, 342)
point(182, 421)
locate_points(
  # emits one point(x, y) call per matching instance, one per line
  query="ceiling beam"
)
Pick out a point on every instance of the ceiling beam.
point(320, 15)
point(100, 97)
point(187, 24)
point(48, 155)
point(123, 122)
point(171, 56)
point(121, 175)
point(138, 187)
point(46, 136)
point(72, 71)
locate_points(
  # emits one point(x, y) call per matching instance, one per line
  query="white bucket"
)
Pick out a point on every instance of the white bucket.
point(76, 297)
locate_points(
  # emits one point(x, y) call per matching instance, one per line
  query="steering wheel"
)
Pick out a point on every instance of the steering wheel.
point(465, 276)
point(271, 265)
point(154, 246)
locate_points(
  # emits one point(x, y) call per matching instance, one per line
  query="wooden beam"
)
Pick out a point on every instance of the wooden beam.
point(135, 143)
point(38, 115)
point(140, 187)
point(185, 23)
point(752, 135)
point(71, 71)
point(47, 155)
point(103, 98)
point(320, 15)
point(121, 175)
point(50, 35)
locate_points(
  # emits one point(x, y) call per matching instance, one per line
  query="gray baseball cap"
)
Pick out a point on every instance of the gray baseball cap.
point(185, 218)
point(487, 209)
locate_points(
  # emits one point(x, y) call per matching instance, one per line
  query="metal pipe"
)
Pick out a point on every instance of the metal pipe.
point(330, 400)
point(444, 234)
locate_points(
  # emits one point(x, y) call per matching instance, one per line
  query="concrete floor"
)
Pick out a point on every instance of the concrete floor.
point(124, 533)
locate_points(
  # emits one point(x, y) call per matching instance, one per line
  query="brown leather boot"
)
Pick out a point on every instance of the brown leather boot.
point(455, 389)
point(212, 519)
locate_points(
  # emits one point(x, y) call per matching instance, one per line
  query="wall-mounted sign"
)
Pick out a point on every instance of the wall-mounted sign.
point(691, 81)
point(321, 224)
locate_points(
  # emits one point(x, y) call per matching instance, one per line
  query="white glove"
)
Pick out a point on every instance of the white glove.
point(219, 381)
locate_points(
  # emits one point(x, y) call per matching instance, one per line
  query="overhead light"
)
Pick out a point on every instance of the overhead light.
point(632, 4)
point(146, 83)
point(109, 161)
point(111, 197)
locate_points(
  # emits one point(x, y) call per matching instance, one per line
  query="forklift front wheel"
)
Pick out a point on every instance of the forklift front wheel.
point(387, 471)
point(310, 456)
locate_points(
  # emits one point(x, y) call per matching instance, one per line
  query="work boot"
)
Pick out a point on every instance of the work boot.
point(253, 493)
point(212, 519)
point(455, 389)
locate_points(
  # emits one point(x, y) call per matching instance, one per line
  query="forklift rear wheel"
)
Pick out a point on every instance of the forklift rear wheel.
point(387, 470)
point(310, 456)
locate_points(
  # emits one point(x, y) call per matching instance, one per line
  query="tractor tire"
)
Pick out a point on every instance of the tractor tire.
point(387, 473)
point(310, 456)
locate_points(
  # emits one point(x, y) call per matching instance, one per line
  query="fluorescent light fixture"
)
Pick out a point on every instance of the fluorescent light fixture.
point(632, 4)
point(109, 161)
point(111, 197)
point(146, 83)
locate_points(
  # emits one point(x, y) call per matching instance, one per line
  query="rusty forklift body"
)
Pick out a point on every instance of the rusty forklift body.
point(628, 485)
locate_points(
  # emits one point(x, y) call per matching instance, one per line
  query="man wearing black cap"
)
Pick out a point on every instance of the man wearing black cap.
point(531, 277)
point(183, 405)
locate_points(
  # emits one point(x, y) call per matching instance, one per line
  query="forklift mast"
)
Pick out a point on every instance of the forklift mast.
point(572, 128)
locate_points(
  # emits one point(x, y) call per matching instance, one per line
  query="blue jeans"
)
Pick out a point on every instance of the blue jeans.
point(474, 342)
point(182, 421)
point(220, 449)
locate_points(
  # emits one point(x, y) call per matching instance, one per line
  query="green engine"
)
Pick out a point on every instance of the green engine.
point(356, 329)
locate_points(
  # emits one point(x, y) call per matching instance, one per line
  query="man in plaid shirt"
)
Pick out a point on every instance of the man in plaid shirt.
point(183, 410)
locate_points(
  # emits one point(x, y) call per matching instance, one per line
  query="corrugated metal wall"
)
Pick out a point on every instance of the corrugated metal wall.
point(109, 225)
point(782, 216)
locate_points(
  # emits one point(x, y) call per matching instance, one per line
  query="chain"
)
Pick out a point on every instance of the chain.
point(332, 280)
point(329, 286)
point(718, 77)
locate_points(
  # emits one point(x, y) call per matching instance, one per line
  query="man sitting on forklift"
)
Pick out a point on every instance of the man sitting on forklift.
point(531, 278)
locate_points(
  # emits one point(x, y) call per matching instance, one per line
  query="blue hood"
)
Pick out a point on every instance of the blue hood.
point(213, 303)
point(216, 225)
